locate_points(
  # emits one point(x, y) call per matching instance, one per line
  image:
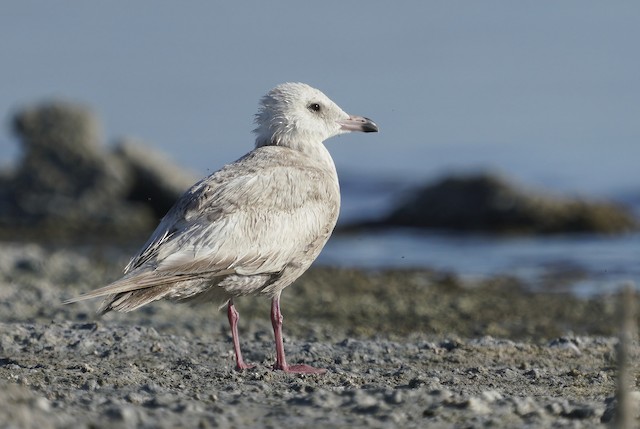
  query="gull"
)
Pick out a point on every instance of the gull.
point(252, 227)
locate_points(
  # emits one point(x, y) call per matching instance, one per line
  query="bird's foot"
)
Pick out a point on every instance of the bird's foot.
point(241, 366)
point(299, 369)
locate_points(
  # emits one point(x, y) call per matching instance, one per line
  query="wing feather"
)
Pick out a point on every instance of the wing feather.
point(255, 216)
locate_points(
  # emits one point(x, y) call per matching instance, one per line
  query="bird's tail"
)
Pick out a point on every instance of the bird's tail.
point(130, 292)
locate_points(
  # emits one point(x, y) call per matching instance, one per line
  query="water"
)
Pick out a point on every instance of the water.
point(583, 265)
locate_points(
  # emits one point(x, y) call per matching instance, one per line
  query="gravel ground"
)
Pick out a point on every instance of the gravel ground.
point(403, 349)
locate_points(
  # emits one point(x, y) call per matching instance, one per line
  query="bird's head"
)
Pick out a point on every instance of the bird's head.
point(293, 113)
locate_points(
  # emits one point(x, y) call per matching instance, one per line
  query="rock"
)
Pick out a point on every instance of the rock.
point(124, 416)
point(65, 184)
point(319, 398)
point(364, 402)
point(477, 405)
point(490, 396)
point(62, 160)
point(68, 186)
point(524, 406)
point(565, 343)
point(157, 181)
point(489, 203)
point(22, 408)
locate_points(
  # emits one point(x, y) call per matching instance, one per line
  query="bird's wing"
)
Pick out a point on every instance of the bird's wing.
point(254, 216)
point(255, 222)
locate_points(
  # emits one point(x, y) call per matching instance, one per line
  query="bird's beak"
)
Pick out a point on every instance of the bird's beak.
point(358, 123)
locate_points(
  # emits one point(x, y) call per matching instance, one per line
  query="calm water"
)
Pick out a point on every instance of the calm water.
point(583, 264)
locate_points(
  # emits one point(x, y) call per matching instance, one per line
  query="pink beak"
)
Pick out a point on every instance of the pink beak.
point(358, 123)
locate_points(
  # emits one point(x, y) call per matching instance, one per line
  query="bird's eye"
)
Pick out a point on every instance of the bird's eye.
point(314, 107)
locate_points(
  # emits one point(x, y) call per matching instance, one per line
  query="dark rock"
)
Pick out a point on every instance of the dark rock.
point(67, 186)
point(581, 413)
point(157, 181)
point(489, 203)
point(62, 160)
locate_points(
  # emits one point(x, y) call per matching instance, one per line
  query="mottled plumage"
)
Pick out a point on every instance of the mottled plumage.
point(252, 227)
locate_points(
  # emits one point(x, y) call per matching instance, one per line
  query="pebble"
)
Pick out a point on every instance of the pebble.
point(118, 371)
point(126, 415)
point(364, 402)
point(491, 396)
point(565, 343)
point(394, 397)
point(524, 406)
point(324, 399)
point(91, 385)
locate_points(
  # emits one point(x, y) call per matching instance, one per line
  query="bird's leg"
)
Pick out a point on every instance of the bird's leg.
point(234, 316)
point(281, 362)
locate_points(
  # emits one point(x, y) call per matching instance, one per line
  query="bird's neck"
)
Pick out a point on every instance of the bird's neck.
point(315, 150)
point(318, 152)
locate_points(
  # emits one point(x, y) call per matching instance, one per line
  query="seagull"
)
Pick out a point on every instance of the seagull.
point(252, 227)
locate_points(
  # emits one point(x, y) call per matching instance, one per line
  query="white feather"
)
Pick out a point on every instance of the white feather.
point(255, 225)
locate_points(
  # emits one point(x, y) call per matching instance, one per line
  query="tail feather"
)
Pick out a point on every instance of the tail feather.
point(137, 289)
point(129, 301)
point(131, 283)
point(125, 284)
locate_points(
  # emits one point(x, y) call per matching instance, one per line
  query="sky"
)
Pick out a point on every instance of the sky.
point(547, 92)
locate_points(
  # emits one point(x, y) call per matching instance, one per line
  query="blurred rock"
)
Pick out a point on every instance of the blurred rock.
point(66, 185)
point(24, 408)
point(490, 203)
point(62, 157)
point(157, 181)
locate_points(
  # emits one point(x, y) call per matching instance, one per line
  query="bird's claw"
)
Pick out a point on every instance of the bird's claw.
point(299, 369)
point(243, 366)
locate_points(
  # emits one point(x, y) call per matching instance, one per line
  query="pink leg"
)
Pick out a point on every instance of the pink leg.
point(234, 316)
point(281, 362)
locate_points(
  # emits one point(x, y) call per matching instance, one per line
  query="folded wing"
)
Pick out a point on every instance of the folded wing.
point(253, 217)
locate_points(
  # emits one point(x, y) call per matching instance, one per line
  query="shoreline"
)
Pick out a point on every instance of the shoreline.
point(404, 348)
